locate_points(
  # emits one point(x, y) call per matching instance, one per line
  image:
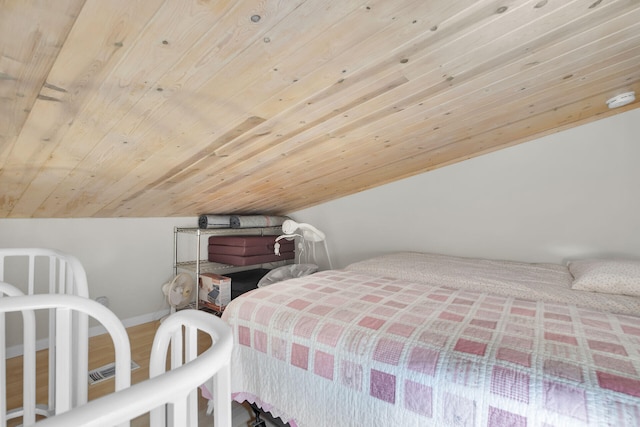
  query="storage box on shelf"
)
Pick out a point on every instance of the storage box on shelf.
point(200, 263)
point(248, 250)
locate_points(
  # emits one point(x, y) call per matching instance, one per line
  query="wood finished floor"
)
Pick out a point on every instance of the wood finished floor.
point(101, 353)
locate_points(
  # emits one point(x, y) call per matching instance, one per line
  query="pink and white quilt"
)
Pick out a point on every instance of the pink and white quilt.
point(345, 348)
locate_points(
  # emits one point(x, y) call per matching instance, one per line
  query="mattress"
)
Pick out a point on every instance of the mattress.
point(248, 250)
point(352, 348)
point(264, 249)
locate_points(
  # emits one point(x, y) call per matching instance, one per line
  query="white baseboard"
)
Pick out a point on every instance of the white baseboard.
point(41, 344)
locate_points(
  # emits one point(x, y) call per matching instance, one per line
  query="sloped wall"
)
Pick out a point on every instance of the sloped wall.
point(571, 194)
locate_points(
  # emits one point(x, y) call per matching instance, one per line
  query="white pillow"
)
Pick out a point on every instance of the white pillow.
point(606, 276)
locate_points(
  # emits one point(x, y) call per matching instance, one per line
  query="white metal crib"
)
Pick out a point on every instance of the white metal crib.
point(65, 309)
point(170, 397)
point(47, 271)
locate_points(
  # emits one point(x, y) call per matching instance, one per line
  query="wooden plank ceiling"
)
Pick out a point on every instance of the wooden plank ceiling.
point(166, 108)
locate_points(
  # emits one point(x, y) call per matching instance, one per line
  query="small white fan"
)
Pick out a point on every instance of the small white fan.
point(179, 291)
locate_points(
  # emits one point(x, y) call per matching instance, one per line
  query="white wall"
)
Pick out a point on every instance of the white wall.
point(571, 194)
point(126, 259)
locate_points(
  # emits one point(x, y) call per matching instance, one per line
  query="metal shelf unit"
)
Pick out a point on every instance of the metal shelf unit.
point(198, 265)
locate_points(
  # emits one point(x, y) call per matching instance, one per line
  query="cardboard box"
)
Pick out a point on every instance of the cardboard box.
point(215, 288)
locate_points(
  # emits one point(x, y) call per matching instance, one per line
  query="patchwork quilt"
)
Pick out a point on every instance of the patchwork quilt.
point(344, 348)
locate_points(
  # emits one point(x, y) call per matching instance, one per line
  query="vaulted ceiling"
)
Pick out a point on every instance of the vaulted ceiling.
point(181, 107)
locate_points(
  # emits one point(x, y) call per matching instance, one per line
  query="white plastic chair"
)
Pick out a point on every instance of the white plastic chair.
point(171, 396)
point(47, 271)
point(64, 309)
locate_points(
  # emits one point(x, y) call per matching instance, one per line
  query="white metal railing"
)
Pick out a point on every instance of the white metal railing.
point(64, 273)
point(57, 282)
point(28, 411)
point(47, 271)
point(171, 396)
point(64, 309)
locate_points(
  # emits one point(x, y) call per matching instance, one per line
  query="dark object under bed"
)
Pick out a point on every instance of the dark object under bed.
point(244, 281)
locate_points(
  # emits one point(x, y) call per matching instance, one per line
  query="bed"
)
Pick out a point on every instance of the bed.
point(413, 339)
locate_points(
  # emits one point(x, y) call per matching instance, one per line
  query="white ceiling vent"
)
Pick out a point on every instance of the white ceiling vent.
point(622, 99)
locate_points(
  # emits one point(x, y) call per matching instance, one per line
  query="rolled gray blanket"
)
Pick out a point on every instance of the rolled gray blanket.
point(214, 221)
point(247, 221)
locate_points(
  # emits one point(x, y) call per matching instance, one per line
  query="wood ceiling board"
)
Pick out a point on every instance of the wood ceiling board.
point(78, 71)
point(334, 73)
point(301, 183)
point(466, 96)
point(421, 83)
point(130, 80)
point(304, 112)
point(197, 119)
point(319, 166)
point(332, 165)
point(267, 109)
point(443, 157)
point(31, 35)
point(288, 136)
point(373, 100)
point(463, 101)
point(489, 141)
point(443, 137)
point(313, 100)
point(369, 119)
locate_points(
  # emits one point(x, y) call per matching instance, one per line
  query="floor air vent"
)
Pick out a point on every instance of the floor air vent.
point(107, 371)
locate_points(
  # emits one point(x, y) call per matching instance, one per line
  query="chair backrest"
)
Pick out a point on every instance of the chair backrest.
point(171, 396)
point(48, 271)
point(64, 309)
